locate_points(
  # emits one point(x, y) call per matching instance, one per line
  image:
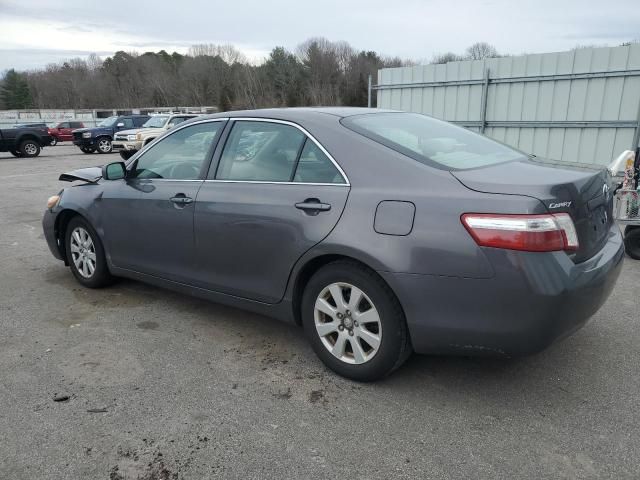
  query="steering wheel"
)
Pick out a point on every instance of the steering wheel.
point(184, 171)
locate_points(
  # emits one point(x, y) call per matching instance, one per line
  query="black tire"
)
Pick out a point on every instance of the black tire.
point(632, 242)
point(104, 145)
point(87, 150)
point(54, 142)
point(29, 148)
point(100, 277)
point(16, 153)
point(395, 346)
point(126, 154)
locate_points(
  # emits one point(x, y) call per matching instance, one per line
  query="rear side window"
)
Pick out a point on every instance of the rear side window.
point(430, 141)
point(315, 167)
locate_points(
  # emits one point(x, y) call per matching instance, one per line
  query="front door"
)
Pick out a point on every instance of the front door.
point(274, 195)
point(159, 195)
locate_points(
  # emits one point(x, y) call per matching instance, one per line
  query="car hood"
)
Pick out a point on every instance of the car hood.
point(132, 131)
point(146, 131)
point(94, 129)
point(90, 175)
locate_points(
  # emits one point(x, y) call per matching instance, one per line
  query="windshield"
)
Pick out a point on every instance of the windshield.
point(430, 141)
point(108, 122)
point(156, 122)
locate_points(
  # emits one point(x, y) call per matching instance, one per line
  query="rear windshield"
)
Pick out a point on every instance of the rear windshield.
point(430, 141)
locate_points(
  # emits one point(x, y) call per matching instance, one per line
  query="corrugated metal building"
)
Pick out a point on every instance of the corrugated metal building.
point(581, 106)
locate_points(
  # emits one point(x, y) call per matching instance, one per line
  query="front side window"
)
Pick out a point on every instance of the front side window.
point(128, 122)
point(64, 125)
point(260, 151)
point(179, 156)
point(430, 141)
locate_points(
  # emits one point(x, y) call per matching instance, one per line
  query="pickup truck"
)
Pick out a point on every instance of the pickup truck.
point(128, 142)
point(63, 131)
point(99, 139)
point(24, 141)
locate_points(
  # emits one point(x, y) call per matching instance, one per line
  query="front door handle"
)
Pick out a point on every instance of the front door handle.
point(181, 199)
point(313, 206)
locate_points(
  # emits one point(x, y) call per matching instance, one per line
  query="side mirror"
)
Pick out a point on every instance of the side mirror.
point(114, 171)
point(120, 125)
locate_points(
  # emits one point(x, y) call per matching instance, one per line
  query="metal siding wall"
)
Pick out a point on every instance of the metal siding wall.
point(578, 100)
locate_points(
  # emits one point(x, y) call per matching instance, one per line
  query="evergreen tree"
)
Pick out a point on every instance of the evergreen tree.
point(15, 92)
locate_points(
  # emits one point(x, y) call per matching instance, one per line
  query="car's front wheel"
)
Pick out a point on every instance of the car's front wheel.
point(354, 321)
point(30, 148)
point(85, 254)
point(104, 145)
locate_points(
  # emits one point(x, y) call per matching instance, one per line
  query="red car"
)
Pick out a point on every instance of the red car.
point(63, 131)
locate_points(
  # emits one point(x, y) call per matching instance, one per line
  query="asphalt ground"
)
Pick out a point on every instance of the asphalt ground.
point(165, 386)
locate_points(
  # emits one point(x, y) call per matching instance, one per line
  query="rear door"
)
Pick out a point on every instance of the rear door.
point(274, 194)
point(149, 227)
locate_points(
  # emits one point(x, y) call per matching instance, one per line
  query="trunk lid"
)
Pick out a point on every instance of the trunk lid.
point(584, 194)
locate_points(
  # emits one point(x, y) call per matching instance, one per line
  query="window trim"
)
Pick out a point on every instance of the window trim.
point(207, 160)
point(308, 136)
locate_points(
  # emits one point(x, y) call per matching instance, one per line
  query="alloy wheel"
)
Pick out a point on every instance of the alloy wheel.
point(348, 323)
point(30, 148)
point(83, 252)
point(104, 145)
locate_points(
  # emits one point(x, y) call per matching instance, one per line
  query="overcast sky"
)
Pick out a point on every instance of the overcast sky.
point(36, 32)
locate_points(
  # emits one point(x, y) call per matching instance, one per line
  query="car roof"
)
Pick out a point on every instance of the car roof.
point(299, 113)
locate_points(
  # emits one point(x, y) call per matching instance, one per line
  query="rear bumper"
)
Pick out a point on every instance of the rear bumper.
point(533, 300)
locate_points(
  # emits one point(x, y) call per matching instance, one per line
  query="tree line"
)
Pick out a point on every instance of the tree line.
point(317, 72)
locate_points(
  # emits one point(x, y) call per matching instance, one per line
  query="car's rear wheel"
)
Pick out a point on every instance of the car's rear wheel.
point(104, 145)
point(85, 254)
point(632, 242)
point(29, 148)
point(54, 141)
point(354, 321)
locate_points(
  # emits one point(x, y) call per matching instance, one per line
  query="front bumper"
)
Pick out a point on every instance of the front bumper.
point(85, 142)
point(50, 234)
point(533, 300)
point(128, 145)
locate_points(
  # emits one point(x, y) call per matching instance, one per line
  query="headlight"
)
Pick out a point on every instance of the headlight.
point(53, 201)
point(86, 135)
point(131, 137)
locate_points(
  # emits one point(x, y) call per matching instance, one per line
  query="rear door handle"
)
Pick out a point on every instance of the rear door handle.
point(181, 199)
point(312, 206)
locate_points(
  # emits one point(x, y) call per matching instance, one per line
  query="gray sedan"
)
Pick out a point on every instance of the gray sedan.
point(380, 232)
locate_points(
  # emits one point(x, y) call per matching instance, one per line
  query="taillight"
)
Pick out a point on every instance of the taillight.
point(531, 233)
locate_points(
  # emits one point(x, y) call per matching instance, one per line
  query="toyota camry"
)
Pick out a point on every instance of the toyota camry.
point(381, 233)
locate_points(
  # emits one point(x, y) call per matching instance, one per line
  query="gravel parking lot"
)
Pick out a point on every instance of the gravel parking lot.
point(165, 386)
